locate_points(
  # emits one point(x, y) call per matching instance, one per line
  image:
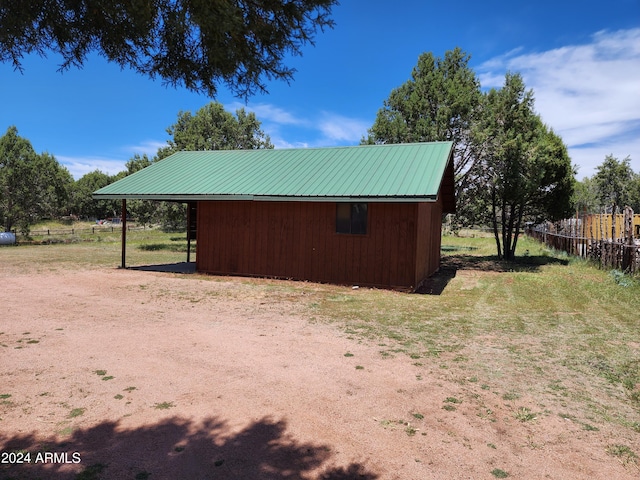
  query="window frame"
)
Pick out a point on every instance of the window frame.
point(358, 221)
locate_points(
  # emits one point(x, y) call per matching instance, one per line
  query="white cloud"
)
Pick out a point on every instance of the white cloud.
point(290, 130)
point(268, 113)
point(592, 156)
point(589, 94)
point(338, 128)
point(282, 143)
point(79, 166)
point(148, 147)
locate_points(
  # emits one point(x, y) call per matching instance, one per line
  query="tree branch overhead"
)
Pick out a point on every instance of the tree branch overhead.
point(194, 43)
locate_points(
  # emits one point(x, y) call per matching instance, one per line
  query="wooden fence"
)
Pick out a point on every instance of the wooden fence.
point(60, 232)
point(613, 249)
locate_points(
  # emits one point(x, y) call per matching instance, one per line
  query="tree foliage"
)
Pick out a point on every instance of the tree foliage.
point(144, 211)
point(210, 128)
point(32, 186)
point(523, 170)
point(213, 128)
point(198, 44)
point(439, 103)
point(83, 204)
point(585, 196)
point(614, 186)
point(614, 181)
point(509, 166)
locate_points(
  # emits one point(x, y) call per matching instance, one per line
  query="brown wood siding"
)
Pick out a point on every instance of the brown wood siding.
point(297, 240)
point(447, 191)
point(429, 240)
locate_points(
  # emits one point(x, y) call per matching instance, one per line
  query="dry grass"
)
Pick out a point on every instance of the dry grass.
point(556, 330)
point(547, 328)
point(144, 247)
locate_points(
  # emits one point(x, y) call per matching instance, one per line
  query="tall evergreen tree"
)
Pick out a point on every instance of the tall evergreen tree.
point(84, 205)
point(523, 170)
point(614, 180)
point(213, 128)
point(210, 128)
point(439, 103)
point(32, 186)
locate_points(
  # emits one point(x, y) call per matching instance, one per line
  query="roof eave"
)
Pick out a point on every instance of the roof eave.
point(269, 198)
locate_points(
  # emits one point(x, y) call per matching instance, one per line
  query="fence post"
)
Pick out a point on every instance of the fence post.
point(628, 243)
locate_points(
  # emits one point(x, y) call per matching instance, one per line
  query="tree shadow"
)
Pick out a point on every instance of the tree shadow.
point(491, 263)
point(451, 264)
point(177, 448)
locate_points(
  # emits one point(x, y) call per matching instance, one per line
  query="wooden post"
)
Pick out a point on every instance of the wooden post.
point(124, 233)
point(627, 243)
point(188, 232)
point(603, 252)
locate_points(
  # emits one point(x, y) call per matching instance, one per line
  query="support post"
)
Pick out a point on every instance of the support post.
point(124, 233)
point(188, 232)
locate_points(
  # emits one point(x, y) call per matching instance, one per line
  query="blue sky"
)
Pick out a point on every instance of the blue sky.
point(581, 58)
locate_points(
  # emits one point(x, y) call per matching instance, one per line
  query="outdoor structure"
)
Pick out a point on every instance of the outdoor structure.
point(368, 215)
point(612, 241)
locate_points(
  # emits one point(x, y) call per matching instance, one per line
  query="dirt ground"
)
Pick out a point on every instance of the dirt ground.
point(126, 374)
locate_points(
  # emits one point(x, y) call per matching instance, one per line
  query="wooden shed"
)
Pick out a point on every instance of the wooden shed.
point(368, 215)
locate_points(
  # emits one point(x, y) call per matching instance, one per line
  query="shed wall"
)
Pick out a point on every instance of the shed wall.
point(297, 240)
point(428, 240)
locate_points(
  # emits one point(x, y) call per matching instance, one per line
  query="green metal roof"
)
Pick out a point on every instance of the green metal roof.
point(398, 172)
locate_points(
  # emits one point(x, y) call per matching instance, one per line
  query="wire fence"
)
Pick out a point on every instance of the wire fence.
point(62, 232)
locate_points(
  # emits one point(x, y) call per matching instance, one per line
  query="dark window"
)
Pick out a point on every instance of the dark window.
point(351, 218)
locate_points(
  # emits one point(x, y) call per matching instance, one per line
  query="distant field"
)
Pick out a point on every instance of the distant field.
point(99, 248)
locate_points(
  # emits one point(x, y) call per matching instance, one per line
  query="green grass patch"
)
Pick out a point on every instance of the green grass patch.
point(76, 412)
point(163, 405)
point(171, 247)
point(66, 431)
point(92, 472)
point(525, 414)
point(510, 396)
point(545, 314)
point(624, 453)
point(86, 249)
point(499, 473)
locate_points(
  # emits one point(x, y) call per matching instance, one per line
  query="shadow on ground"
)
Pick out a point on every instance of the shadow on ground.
point(450, 264)
point(179, 448)
point(179, 267)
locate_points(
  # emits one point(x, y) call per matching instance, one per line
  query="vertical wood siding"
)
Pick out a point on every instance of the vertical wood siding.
point(297, 240)
point(447, 193)
point(428, 240)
